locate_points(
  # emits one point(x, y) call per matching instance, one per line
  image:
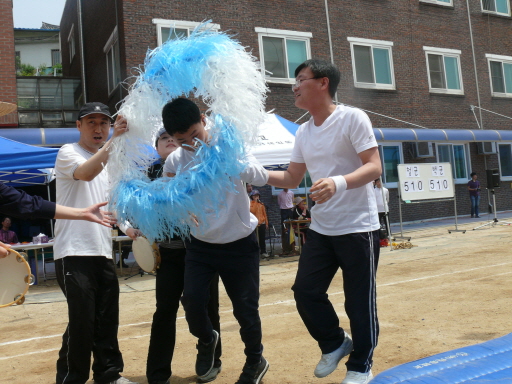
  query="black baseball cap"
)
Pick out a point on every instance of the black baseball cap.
point(95, 107)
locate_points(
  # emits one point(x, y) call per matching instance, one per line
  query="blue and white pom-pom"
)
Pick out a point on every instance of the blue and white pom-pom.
point(214, 67)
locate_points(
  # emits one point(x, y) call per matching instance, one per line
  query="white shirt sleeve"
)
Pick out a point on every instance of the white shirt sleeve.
point(361, 132)
point(68, 160)
point(254, 173)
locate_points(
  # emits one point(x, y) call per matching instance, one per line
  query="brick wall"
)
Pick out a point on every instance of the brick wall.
point(7, 63)
point(410, 25)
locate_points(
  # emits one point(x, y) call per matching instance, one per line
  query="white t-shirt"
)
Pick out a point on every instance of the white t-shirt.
point(78, 237)
point(331, 150)
point(233, 221)
point(378, 198)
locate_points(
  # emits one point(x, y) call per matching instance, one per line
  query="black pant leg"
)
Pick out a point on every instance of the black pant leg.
point(108, 360)
point(169, 288)
point(359, 255)
point(261, 238)
point(317, 267)
point(76, 276)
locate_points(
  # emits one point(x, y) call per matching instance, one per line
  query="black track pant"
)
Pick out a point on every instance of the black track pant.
point(357, 255)
point(237, 264)
point(92, 291)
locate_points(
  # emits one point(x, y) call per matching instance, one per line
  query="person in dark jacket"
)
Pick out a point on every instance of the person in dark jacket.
point(24, 206)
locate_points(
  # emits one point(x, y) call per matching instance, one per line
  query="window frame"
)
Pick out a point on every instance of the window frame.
point(444, 52)
point(71, 43)
point(467, 160)
point(495, 12)
point(498, 145)
point(380, 44)
point(53, 52)
point(438, 2)
point(502, 60)
point(399, 144)
point(110, 52)
point(285, 35)
point(178, 24)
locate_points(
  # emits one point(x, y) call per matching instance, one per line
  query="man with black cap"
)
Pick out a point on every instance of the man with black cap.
point(83, 255)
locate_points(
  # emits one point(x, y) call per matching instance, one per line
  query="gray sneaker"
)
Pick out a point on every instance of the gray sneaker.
point(329, 361)
point(122, 380)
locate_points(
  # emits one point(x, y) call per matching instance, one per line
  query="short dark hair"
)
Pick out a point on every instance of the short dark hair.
point(322, 68)
point(473, 174)
point(179, 115)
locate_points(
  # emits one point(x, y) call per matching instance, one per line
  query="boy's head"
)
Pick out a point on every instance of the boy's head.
point(185, 123)
point(320, 69)
point(164, 144)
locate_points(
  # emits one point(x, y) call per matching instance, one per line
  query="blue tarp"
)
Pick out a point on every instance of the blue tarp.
point(23, 164)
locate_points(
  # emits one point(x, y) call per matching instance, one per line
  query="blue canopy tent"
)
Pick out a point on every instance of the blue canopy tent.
point(22, 165)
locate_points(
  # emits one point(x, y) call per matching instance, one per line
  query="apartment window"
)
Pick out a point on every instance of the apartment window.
point(372, 63)
point(505, 158)
point(172, 29)
point(500, 68)
point(455, 154)
point(499, 7)
point(281, 52)
point(55, 57)
point(438, 2)
point(71, 43)
point(390, 155)
point(111, 50)
point(444, 73)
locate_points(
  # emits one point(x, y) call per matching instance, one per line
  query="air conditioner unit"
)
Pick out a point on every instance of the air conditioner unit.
point(423, 149)
point(486, 148)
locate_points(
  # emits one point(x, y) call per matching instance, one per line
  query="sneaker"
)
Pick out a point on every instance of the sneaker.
point(477, 217)
point(329, 361)
point(354, 377)
point(122, 380)
point(217, 368)
point(206, 356)
point(264, 255)
point(252, 374)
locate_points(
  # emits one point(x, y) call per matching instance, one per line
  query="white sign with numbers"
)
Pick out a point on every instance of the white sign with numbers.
point(425, 181)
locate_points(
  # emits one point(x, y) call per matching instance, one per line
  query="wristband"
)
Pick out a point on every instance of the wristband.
point(340, 182)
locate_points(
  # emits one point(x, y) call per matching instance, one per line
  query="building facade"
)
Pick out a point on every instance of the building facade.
point(7, 63)
point(426, 64)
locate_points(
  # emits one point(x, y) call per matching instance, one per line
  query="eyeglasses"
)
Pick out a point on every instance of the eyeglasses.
point(298, 82)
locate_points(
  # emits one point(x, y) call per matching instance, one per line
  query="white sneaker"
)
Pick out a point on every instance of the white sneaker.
point(329, 361)
point(354, 377)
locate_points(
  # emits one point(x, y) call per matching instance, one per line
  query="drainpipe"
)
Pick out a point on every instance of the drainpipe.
point(474, 65)
point(82, 59)
point(330, 42)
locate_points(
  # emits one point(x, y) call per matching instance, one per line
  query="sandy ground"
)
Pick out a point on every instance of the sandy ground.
point(448, 291)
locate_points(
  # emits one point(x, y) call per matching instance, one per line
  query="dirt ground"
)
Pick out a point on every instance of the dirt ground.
point(447, 292)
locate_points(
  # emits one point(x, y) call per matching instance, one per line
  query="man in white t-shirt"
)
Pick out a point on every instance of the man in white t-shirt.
point(338, 148)
point(83, 256)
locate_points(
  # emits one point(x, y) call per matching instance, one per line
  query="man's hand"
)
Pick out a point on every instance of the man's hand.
point(94, 214)
point(120, 126)
point(4, 250)
point(133, 233)
point(322, 190)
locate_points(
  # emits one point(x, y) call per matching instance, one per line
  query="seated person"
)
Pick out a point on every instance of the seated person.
point(6, 235)
point(301, 212)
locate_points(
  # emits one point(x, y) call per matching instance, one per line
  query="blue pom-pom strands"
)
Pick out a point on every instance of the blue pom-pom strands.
point(208, 65)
